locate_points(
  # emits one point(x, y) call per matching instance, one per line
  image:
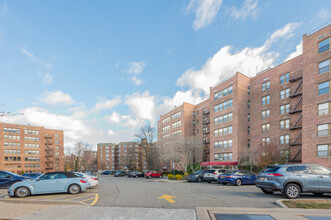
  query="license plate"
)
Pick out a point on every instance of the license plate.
point(209, 175)
point(263, 179)
point(222, 176)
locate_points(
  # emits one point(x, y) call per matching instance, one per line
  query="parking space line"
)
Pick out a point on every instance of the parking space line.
point(63, 196)
point(87, 199)
point(96, 199)
point(76, 197)
point(42, 196)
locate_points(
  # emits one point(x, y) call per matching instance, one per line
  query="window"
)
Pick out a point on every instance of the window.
point(284, 124)
point(177, 115)
point(303, 169)
point(319, 170)
point(324, 45)
point(265, 127)
point(266, 100)
point(223, 93)
point(216, 145)
point(265, 86)
point(284, 78)
point(285, 93)
point(265, 141)
point(265, 114)
point(223, 105)
point(215, 156)
point(248, 129)
point(323, 88)
point(284, 139)
point(324, 108)
point(324, 67)
point(323, 130)
point(284, 109)
point(167, 120)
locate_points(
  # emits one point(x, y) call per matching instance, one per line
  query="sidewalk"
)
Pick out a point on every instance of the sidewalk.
point(207, 213)
point(38, 211)
point(51, 212)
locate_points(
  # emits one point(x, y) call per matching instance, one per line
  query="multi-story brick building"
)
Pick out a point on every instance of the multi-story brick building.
point(29, 149)
point(286, 107)
point(122, 156)
point(91, 161)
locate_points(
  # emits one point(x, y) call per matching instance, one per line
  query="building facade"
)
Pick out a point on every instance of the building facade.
point(121, 156)
point(29, 149)
point(284, 110)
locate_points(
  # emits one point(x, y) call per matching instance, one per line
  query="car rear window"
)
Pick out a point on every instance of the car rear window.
point(270, 169)
point(210, 171)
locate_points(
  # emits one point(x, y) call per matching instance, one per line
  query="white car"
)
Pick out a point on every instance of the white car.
point(93, 180)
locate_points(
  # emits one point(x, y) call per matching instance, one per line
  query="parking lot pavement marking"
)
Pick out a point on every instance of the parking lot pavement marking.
point(251, 194)
point(96, 199)
point(43, 196)
point(76, 197)
point(168, 198)
point(60, 196)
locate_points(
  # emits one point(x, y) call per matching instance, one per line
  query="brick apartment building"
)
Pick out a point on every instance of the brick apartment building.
point(91, 161)
point(121, 156)
point(29, 149)
point(286, 107)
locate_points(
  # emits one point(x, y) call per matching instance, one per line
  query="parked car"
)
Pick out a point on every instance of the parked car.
point(8, 178)
point(107, 172)
point(211, 175)
point(120, 173)
point(53, 182)
point(237, 178)
point(32, 175)
point(129, 174)
point(196, 177)
point(153, 174)
point(294, 179)
point(93, 180)
point(137, 174)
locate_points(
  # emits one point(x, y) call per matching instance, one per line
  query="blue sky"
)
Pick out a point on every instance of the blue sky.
point(99, 70)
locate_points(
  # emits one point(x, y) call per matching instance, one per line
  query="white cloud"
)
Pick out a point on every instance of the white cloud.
point(114, 118)
point(126, 120)
point(136, 81)
point(136, 67)
point(56, 97)
point(75, 129)
point(142, 105)
point(47, 78)
point(110, 132)
point(249, 8)
point(324, 13)
point(35, 59)
point(297, 52)
point(225, 63)
point(104, 104)
point(205, 11)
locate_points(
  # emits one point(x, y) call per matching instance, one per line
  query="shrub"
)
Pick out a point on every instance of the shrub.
point(185, 175)
point(178, 177)
point(170, 176)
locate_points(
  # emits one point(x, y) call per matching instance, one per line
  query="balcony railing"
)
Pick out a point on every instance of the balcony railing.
point(206, 121)
point(205, 112)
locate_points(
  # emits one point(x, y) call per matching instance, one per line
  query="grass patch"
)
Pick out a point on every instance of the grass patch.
point(309, 204)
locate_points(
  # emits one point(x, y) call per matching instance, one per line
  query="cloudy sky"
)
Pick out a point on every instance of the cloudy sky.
point(99, 70)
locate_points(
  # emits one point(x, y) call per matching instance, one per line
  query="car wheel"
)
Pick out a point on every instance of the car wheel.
point(267, 191)
point(74, 189)
point(292, 191)
point(22, 192)
point(238, 182)
point(224, 183)
point(318, 194)
point(150, 177)
point(161, 176)
point(199, 180)
point(208, 181)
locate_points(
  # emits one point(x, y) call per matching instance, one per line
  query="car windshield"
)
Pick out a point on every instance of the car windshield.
point(210, 171)
point(270, 169)
point(198, 172)
point(230, 172)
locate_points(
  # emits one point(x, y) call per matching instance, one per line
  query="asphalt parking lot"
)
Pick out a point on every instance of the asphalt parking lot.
point(157, 193)
point(88, 197)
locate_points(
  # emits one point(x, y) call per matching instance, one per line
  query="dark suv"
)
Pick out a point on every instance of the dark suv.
point(293, 179)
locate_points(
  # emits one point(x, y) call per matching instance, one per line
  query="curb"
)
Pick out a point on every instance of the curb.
point(280, 203)
point(171, 181)
point(42, 202)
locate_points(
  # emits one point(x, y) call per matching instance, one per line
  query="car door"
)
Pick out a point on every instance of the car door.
point(243, 176)
point(324, 178)
point(306, 177)
point(5, 179)
point(62, 181)
point(250, 177)
point(46, 184)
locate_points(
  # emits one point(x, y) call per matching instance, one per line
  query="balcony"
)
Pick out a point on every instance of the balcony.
point(48, 136)
point(206, 141)
point(206, 132)
point(48, 143)
point(48, 149)
point(206, 121)
point(206, 150)
point(48, 161)
point(295, 79)
point(205, 112)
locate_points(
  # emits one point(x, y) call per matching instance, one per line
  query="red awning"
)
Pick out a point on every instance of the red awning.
point(218, 163)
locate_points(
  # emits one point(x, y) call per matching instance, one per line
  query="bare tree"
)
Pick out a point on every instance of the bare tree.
point(81, 158)
point(131, 159)
point(272, 154)
point(146, 137)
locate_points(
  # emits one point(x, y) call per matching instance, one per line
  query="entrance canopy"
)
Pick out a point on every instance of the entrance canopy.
point(218, 163)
